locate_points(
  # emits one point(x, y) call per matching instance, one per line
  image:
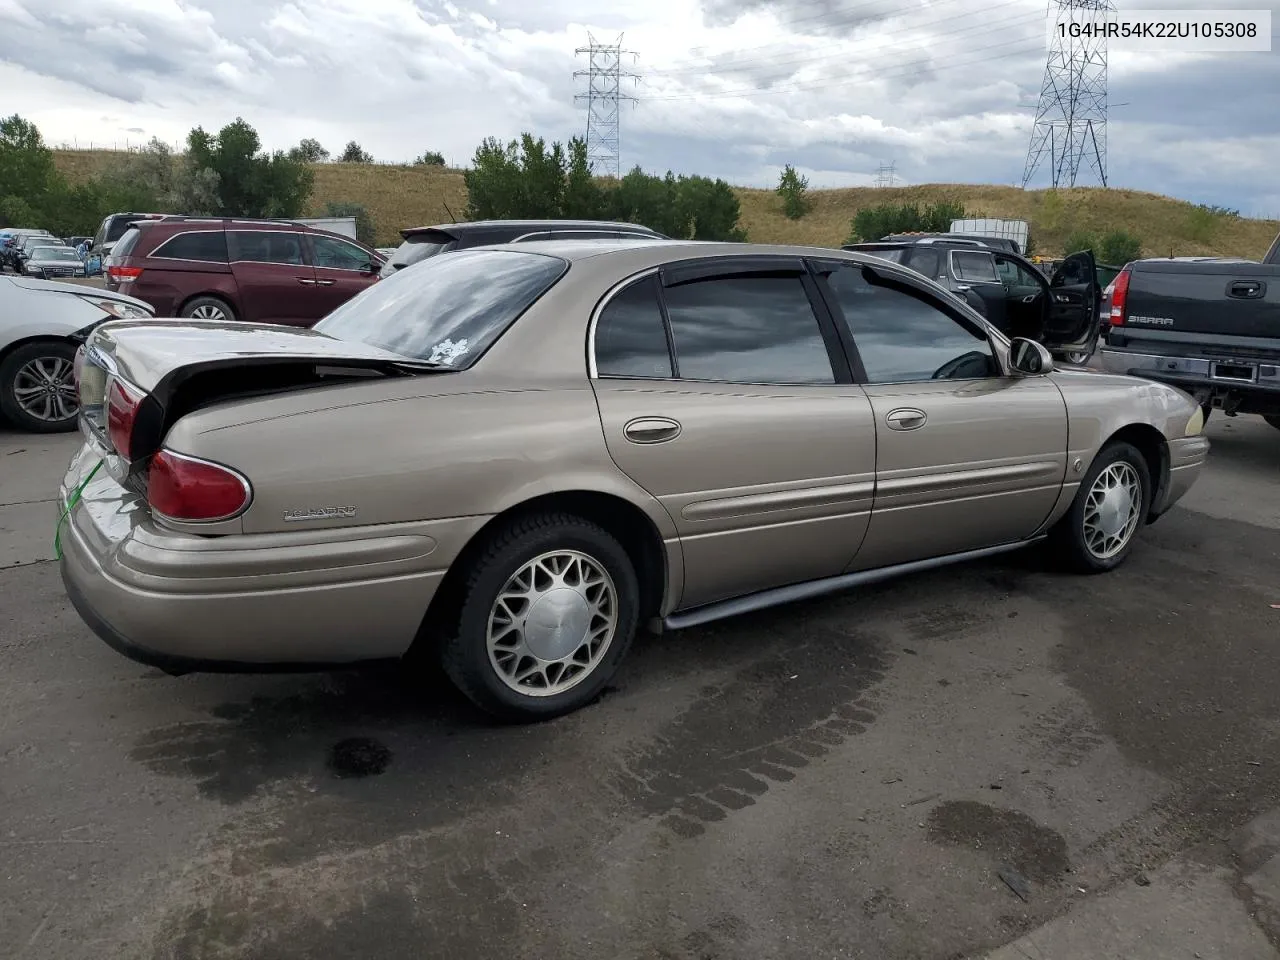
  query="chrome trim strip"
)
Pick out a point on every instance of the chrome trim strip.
point(729, 507)
point(817, 588)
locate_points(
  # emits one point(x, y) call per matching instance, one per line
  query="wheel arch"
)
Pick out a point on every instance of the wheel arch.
point(634, 529)
point(9, 348)
point(1153, 446)
point(207, 295)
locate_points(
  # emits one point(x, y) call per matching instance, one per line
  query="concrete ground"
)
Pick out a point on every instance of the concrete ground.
point(849, 777)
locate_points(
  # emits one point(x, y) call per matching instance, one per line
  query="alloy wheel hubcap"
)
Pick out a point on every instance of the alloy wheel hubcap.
point(1111, 510)
point(45, 388)
point(207, 311)
point(552, 623)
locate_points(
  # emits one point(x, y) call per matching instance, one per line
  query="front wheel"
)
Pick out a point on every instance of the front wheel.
point(547, 613)
point(38, 387)
point(1098, 531)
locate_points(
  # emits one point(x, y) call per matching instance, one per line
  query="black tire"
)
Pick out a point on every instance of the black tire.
point(40, 350)
point(1274, 420)
point(1068, 536)
point(195, 304)
point(464, 653)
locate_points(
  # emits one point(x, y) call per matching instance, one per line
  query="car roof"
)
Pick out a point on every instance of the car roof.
point(478, 226)
point(656, 250)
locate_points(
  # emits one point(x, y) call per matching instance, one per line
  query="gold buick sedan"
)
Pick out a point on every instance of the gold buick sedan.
point(513, 458)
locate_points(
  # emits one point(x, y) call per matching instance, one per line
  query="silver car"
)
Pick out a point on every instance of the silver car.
point(42, 324)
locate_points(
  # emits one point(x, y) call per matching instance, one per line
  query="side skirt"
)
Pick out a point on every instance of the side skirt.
point(817, 588)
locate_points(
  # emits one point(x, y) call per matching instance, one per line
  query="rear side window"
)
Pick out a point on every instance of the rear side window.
point(925, 261)
point(449, 310)
point(265, 246)
point(752, 329)
point(207, 246)
point(126, 244)
point(974, 266)
point(417, 248)
point(631, 338)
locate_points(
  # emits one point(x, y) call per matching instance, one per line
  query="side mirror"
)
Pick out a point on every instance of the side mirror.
point(1029, 358)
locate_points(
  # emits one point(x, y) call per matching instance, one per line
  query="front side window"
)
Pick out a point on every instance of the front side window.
point(446, 310)
point(265, 246)
point(749, 329)
point(903, 338)
point(977, 267)
point(631, 337)
point(339, 255)
point(206, 246)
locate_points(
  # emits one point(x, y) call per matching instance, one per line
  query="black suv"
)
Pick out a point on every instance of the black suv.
point(423, 242)
point(1060, 311)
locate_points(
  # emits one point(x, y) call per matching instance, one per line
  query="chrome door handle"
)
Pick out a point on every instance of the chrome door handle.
point(651, 430)
point(305, 280)
point(906, 418)
point(326, 283)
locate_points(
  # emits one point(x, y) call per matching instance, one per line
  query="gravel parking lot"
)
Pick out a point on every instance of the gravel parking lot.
point(838, 778)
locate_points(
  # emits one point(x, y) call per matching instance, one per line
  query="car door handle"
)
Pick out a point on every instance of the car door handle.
point(1030, 298)
point(326, 283)
point(1247, 289)
point(651, 430)
point(310, 283)
point(906, 418)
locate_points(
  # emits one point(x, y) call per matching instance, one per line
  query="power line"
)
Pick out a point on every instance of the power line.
point(1071, 117)
point(885, 176)
point(603, 99)
point(900, 71)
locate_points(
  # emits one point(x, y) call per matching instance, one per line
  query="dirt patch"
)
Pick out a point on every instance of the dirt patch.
point(1008, 836)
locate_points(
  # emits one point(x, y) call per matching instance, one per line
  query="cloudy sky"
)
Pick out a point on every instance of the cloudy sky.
point(945, 89)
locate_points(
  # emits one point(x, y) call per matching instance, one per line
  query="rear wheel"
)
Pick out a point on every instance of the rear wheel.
point(38, 388)
point(207, 308)
point(1098, 531)
point(546, 615)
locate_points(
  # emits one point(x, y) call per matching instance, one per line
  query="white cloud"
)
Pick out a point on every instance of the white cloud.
point(732, 88)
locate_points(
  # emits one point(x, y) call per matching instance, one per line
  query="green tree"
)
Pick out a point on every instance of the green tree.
point(250, 182)
point(366, 229)
point(712, 209)
point(583, 198)
point(309, 150)
point(430, 158)
point(1119, 247)
point(27, 173)
point(937, 217)
point(1078, 240)
point(793, 189)
point(521, 179)
point(354, 153)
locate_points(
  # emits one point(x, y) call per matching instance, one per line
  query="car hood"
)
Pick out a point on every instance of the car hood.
point(149, 352)
point(79, 290)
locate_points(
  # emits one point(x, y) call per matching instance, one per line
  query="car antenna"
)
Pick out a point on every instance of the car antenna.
point(452, 218)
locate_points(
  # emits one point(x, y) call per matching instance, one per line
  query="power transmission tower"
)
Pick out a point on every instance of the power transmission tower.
point(603, 99)
point(1071, 117)
point(885, 175)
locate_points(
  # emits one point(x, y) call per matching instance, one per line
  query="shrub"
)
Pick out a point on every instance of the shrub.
point(793, 189)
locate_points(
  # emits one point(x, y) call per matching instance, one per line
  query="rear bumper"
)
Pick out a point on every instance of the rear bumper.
point(249, 603)
point(1197, 373)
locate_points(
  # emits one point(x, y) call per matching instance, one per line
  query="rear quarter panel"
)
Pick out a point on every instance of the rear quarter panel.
point(167, 285)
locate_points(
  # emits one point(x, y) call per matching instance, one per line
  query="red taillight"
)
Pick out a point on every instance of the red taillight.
point(122, 409)
point(124, 274)
point(185, 488)
point(1119, 294)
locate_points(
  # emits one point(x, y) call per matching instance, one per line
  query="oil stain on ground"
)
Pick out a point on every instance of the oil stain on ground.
point(1007, 836)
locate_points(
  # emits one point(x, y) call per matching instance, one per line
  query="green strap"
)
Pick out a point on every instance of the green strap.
point(71, 502)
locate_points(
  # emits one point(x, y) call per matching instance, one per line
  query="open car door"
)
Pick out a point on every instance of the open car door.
point(1074, 300)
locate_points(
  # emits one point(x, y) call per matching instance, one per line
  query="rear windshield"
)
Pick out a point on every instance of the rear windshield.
point(449, 310)
point(127, 243)
point(415, 249)
point(117, 228)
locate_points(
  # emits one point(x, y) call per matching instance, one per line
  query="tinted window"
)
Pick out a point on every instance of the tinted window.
point(416, 249)
point(973, 266)
point(631, 339)
point(449, 309)
point(265, 246)
point(209, 246)
point(125, 245)
point(339, 254)
point(117, 228)
point(925, 261)
point(1014, 274)
point(894, 255)
point(902, 338)
point(747, 330)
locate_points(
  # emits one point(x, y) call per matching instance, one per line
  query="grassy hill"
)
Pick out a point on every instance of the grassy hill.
point(404, 196)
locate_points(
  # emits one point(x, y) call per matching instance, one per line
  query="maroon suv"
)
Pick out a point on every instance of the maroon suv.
point(262, 271)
